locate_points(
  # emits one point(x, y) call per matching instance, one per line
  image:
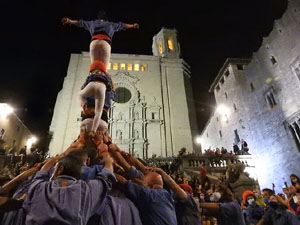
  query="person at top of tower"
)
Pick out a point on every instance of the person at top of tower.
point(102, 32)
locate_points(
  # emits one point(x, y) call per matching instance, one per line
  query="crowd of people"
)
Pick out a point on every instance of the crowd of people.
point(236, 150)
point(96, 183)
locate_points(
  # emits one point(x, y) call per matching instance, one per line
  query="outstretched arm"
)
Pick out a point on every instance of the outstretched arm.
point(180, 193)
point(67, 20)
point(19, 179)
point(134, 25)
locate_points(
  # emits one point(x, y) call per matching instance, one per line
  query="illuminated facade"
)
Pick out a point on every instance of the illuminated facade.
point(13, 133)
point(260, 100)
point(153, 113)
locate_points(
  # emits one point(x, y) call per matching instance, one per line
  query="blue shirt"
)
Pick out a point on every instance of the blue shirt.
point(89, 173)
point(156, 206)
point(101, 27)
point(65, 200)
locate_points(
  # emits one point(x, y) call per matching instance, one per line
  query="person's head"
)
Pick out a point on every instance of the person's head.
point(92, 154)
point(80, 154)
point(294, 178)
point(69, 165)
point(292, 190)
point(256, 192)
point(186, 188)
point(224, 194)
point(102, 15)
point(202, 196)
point(282, 196)
point(153, 180)
point(285, 190)
point(273, 198)
point(267, 193)
point(248, 197)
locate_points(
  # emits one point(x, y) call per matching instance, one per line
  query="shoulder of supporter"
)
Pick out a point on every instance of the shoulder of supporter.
point(135, 173)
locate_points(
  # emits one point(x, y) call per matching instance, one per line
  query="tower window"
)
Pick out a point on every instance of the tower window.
point(226, 95)
point(206, 134)
point(296, 68)
point(160, 47)
point(222, 80)
point(234, 107)
point(226, 73)
point(136, 67)
point(154, 115)
point(252, 87)
point(170, 45)
point(273, 60)
point(236, 136)
point(220, 133)
point(295, 130)
point(115, 66)
point(270, 98)
point(143, 68)
point(123, 95)
point(129, 67)
point(122, 66)
point(217, 88)
point(240, 67)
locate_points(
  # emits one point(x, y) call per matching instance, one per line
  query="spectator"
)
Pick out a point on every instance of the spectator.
point(294, 179)
point(253, 212)
point(277, 214)
point(23, 150)
point(224, 207)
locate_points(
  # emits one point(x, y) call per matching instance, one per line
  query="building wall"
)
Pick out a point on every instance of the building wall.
point(272, 69)
point(154, 118)
point(14, 129)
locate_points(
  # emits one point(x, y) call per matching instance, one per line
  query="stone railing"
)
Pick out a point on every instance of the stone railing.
point(210, 162)
point(214, 162)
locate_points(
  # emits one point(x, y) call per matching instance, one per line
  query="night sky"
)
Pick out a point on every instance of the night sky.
point(35, 47)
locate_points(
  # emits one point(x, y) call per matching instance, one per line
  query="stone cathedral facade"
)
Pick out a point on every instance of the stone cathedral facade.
point(153, 113)
point(258, 100)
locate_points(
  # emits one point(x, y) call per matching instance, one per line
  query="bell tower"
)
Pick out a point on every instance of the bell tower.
point(165, 44)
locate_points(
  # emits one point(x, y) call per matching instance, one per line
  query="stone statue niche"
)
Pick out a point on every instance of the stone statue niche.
point(238, 180)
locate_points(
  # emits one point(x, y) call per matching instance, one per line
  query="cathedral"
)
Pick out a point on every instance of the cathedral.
point(153, 113)
point(258, 100)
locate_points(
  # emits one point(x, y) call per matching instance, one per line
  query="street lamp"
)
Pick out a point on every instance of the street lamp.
point(198, 140)
point(30, 141)
point(5, 110)
point(224, 111)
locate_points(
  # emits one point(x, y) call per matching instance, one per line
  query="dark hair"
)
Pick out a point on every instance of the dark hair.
point(92, 154)
point(294, 175)
point(226, 193)
point(102, 15)
point(271, 192)
point(72, 165)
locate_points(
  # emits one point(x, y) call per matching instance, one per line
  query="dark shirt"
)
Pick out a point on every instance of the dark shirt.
point(156, 206)
point(97, 27)
point(253, 213)
point(280, 216)
point(187, 211)
point(230, 214)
